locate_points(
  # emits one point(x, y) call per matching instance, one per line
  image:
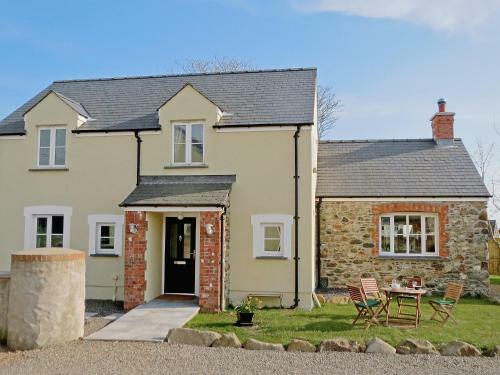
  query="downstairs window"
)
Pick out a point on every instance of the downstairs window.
point(272, 236)
point(408, 234)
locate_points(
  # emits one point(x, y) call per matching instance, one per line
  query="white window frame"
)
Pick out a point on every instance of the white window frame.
point(94, 222)
point(189, 142)
point(52, 147)
point(48, 241)
point(259, 222)
point(32, 212)
point(423, 253)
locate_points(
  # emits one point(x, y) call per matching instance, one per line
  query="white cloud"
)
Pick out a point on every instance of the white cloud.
point(445, 15)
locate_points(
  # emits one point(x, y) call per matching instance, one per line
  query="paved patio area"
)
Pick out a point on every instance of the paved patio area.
point(148, 322)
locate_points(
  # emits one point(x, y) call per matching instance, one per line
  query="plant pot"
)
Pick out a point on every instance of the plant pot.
point(245, 319)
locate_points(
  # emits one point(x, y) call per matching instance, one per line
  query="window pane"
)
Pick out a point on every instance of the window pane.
point(187, 241)
point(60, 157)
point(386, 244)
point(430, 224)
point(180, 134)
point(57, 224)
point(56, 240)
point(415, 244)
point(41, 241)
point(45, 138)
point(399, 224)
point(272, 232)
point(197, 133)
point(107, 243)
point(179, 153)
point(385, 231)
point(400, 244)
point(415, 223)
point(43, 158)
point(430, 244)
point(60, 137)
point(41, 225)
point(107, 230)
point(197, 153)
point(272, 245)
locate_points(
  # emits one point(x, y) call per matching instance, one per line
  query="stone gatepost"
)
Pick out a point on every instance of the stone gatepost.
point(46, 298)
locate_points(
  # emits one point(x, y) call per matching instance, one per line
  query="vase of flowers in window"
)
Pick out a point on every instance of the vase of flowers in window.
point(246, 310)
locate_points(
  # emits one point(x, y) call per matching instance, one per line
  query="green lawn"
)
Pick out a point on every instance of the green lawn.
point(478, 324)
point(495, 279)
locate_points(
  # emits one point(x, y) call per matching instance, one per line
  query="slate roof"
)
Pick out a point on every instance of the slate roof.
point(397, 168)
point(191, 190)
point(262, 97)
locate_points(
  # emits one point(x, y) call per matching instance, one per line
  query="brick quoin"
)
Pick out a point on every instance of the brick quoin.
point(135, 262)
point(440, 209)
point(210, 259)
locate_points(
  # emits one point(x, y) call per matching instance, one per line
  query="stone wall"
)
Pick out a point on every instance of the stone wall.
point(349, 245)
point(4, 304)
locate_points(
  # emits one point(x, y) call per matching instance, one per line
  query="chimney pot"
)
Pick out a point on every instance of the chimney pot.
point(441, 104)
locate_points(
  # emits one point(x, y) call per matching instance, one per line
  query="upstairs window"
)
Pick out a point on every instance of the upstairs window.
point(51, 147)
point(188, 143)
point(408, 235)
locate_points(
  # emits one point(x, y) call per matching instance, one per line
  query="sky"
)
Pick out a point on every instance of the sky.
point(388, 61)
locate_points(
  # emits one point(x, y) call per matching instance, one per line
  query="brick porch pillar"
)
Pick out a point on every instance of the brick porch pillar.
point(210, 260)
point(135, 262)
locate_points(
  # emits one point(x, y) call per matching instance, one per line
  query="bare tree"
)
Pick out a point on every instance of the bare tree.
point(216, 65)
point(328, 108)
point(482, 158)
point(328, 103)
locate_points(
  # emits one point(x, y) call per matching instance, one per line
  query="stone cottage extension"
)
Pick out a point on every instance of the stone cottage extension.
point(395, 208)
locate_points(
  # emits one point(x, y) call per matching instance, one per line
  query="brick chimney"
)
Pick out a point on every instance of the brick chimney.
point(442, 124)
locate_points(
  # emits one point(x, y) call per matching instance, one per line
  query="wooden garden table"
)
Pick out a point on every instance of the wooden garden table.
point(390, 293)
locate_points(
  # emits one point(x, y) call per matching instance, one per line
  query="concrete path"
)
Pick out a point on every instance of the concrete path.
point(149, 322)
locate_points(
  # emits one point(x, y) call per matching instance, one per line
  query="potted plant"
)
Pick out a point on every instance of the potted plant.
point(246, 310)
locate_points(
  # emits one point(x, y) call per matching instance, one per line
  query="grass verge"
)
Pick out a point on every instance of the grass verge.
point(478, 322)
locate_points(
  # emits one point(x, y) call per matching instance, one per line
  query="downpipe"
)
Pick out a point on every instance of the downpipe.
point(296, 217)
point(221, 280)
point(138, 166)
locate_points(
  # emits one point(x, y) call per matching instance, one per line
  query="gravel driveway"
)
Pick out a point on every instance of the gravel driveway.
point(97, 357)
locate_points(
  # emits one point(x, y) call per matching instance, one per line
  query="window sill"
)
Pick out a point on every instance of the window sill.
point(47, 169)
point(105, 255)
point(271, 257)
point(180, 166)
point(410, 257)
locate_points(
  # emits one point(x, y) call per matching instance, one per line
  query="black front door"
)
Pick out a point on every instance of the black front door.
point(180, 255)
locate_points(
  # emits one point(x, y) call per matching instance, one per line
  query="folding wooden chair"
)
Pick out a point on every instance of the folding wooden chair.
point(409, 300)
point(443, 308)
point(363, 306)
point(371, 291)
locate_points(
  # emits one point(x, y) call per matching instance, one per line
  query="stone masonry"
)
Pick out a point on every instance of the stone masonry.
point(349, 245)
point(135, 262)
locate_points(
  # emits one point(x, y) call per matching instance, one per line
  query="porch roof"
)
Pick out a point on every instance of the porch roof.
point(190, 190)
